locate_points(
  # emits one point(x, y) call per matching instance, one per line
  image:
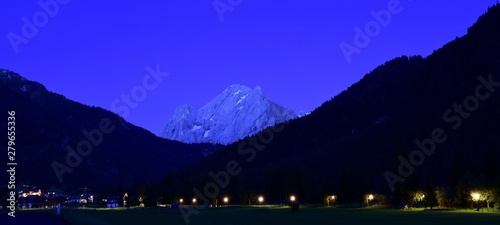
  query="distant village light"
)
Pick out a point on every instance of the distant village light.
point(194, 200)
point(292, 198)
point(226, 199)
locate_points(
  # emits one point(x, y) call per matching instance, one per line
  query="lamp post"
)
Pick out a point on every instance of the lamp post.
point(125, 198)
point(330, 198)
point(226, 200)
point(368, 199)
point(475, 197)
point(294, 205)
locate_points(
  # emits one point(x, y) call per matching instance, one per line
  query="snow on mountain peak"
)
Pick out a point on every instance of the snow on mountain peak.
point(232, 115)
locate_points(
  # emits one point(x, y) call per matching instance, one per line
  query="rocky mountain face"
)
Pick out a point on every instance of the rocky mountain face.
point(237, 112)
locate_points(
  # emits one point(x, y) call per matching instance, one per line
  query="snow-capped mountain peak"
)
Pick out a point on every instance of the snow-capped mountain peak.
point(237, 112)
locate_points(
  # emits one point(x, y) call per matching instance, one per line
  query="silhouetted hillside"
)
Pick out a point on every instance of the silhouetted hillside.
point(347, 145)
point(48, 124)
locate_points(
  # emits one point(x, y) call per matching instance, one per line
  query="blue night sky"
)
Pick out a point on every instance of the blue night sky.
point(93, 52)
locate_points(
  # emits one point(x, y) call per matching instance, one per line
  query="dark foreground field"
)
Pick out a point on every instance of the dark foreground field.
point(253, 216)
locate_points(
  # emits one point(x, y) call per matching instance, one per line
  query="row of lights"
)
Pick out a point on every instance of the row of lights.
point(226, 199)
point(370, 197)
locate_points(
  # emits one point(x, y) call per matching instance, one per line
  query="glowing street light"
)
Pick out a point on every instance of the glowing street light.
point(292, 198)
point(194, 200)
point(261, 199)
point(421, 198)
point(226, 200)
point(181, 200)
point(475, 196)
point(330, 198)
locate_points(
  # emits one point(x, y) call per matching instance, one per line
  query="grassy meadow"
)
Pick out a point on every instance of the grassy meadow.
point(262, 215)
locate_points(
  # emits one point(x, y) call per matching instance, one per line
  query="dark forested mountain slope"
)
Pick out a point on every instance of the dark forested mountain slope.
point(347, 145)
